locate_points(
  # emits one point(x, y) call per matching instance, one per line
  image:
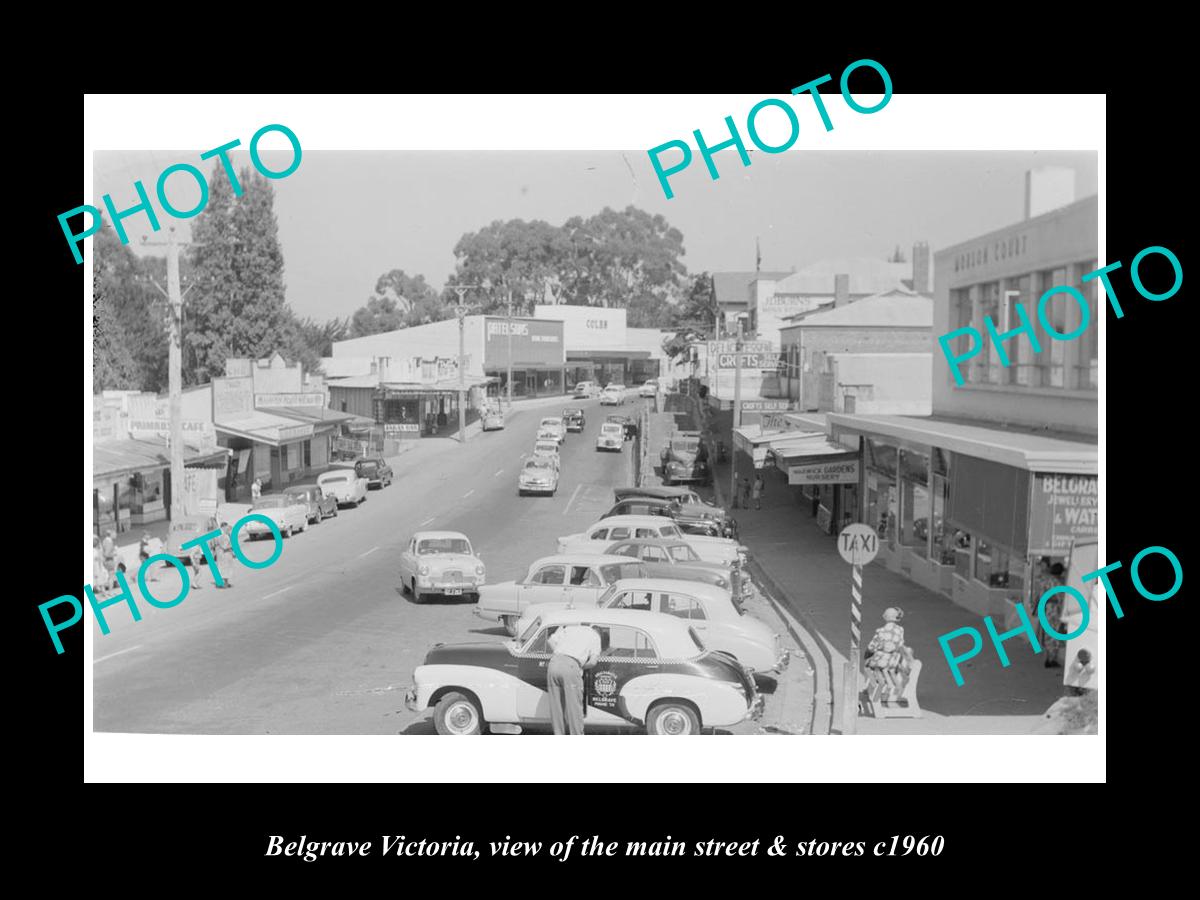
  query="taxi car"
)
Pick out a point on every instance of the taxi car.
point(492, 419)
point(621, 528)
point(654, 672)
point(685, 458)
point(440, 563)
point(320, 504)
point(546, 448)
point(552, 428)
point(574, 418)
point(649, 388)
point(538, 476)
point(347, 487)
point(720, 621)
point(289, 515)
point(585, 390)
point(562, 578)
point(611, 437)
point(613, 395)
point(377, 472)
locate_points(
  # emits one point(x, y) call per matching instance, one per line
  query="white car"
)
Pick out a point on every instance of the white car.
point(653, 672)
point(585, 389)
point(648, 389)
point(538, 476)
point(622, 528)
point(289, 514)
point(562, 578)
point(547, 448)
point(613, 395)
point(721, 622)
point(440, 563)
point(345, 485)
point(611, 437)
point(552, 428)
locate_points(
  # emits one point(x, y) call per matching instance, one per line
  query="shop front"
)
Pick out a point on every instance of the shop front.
point(534, 350)
point(410, 411)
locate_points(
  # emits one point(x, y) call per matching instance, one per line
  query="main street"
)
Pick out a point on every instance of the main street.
point(323, 641)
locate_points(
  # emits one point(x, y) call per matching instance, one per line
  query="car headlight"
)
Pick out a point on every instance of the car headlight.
point(479, 571)
point(423, 570)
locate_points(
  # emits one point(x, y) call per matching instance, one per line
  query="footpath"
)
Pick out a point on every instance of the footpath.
point(798, 567)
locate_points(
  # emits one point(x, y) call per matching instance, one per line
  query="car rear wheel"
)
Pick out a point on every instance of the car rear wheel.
point(510, 625)
point(672, 717)
point(457, 714)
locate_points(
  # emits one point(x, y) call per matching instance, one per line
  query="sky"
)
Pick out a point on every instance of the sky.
point(347, 217)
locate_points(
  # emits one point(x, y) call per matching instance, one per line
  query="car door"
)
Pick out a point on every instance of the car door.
point(585, 582)
point(626, 653)
point(547, 585)
point(685, 607)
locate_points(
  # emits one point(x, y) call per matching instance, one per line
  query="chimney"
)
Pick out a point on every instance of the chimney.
point(922, 282)
point(841, 290)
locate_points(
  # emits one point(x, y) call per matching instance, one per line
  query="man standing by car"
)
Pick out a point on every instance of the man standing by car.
point(574, 648)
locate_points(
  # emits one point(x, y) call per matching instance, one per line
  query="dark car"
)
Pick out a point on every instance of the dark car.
point(691, 519)
point(684, 495)
point(320, 504)
point(573, 418)
point(629, 425)
point(377, 472)
point(684, 458)
point(675, 559)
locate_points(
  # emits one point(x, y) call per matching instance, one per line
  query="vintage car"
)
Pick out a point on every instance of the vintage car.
point(654, 672)
point(620, 528)
point(538, 476)
point(288, 513)
point(691, 519)
point(320, 504)
point(554, 578)
point(585, 390)
point(574, 418)
point(649, 388)
point(612, 395)
point(685, 496)
point(440, 563)
point(547, 448)
point(685, 458)
point(628, 424)
point(552, 428)
point(348, 487)
point(377, 472)
point(677, 559)
point(491, 419)
point(720, 621)
point(611, 437)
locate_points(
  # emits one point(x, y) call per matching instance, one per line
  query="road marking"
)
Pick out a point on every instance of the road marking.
point(497, 472)
point(468, 493)
point(567, 508)
point(118, 653)
point(280, 591)
point(430, 519)
point(367, 553)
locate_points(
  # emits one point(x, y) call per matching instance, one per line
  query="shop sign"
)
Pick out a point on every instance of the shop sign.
point(766, 405)
point(717, 347)
point(533, 341)
point(400, 428)
point(294, 432)
point(306, 400)
point(844, 471)
point(1063, 510)
point(767, 360)
point(778, 422)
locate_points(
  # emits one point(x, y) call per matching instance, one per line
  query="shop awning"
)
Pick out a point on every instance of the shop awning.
point(322, 419)
point(116, 459)
point(446, 385)
point(816, 462)
point(266, 428)
point(756, 443)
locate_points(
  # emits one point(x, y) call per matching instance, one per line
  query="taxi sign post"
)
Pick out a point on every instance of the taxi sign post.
point(857, 544)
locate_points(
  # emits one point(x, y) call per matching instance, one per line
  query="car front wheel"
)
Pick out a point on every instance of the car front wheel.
point(672, 717)
point(457, 714)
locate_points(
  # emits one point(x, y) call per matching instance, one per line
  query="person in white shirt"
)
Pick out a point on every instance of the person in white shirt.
point(574, 648)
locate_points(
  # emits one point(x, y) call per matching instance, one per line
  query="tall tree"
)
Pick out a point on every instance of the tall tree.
point(526, 258)
point(134, 313)
point(113, 366)
point(399, 301)
point(237, 306)
point(698, 311)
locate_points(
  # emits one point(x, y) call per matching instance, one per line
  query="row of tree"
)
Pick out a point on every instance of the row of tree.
point(235, 305)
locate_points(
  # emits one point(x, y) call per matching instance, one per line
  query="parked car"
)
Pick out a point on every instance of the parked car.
point(649, 388)
point(288, 513)
point(721, 622)
point(552, 427)
point(690, 518)
point(553, 578)
point(612, 396)
point(440, 563)
point(654, 672)
point(347, 487)
point(377, 472)
point(677, 559)
point(685, 496)
point(492, 419)
point(320, 505)
point(611, 437)
point(574, 419)
point(628, 425)
point(547, 448)
point(538, 476)
point(620, 528)
point(585, 390)
point(685, 458)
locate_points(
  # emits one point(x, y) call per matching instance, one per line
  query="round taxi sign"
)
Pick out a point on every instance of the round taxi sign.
point(858, 544)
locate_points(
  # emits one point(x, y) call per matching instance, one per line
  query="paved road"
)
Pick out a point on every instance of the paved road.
point(323, 641)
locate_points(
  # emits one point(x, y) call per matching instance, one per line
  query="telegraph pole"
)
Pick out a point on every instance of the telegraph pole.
point(461, 312)
point(508, 380)
point(174, 369)
point(737, 413)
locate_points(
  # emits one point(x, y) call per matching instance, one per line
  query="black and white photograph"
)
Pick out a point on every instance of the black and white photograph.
point(762, 430)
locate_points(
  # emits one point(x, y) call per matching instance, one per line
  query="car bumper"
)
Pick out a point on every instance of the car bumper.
point(538, 488)
point(466, 586)
point(258, 529)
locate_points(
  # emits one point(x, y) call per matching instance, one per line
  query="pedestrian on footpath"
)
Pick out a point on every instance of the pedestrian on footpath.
point(108, 551)
point(196, 558)
point(745, 492)
point(223, 547)
point(255, 490)
point(574, 648)
point(757, 491)
point(144, 553)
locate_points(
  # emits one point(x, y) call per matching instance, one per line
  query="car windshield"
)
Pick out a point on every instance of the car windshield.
point(335, 479)
point(273, 502)
point(682, 553)
point(538, 467)
point(551, 422)
point(685, 446)
point(299, 496)
point(367, 466)
point(572, 412)
point(669, 531)
point(443, 545)
point(610, 428)
point(545, 447)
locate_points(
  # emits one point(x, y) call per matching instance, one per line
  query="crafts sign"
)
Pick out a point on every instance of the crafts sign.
point(858, 544)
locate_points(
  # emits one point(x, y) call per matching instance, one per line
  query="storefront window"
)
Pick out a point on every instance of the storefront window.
point(987, 363)
point(1053, 358)
point(1086, 370)
point(961, 542)
point(996, 568)
point(881, 463)
point(914, 502)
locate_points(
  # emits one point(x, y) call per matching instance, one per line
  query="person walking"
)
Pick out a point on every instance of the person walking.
point(99, 574)
point(144, 553)
point(745, 492)
point(108, 552)
point(255, 490)
point(223, 548)
point(574, 648)
point(757, 491)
